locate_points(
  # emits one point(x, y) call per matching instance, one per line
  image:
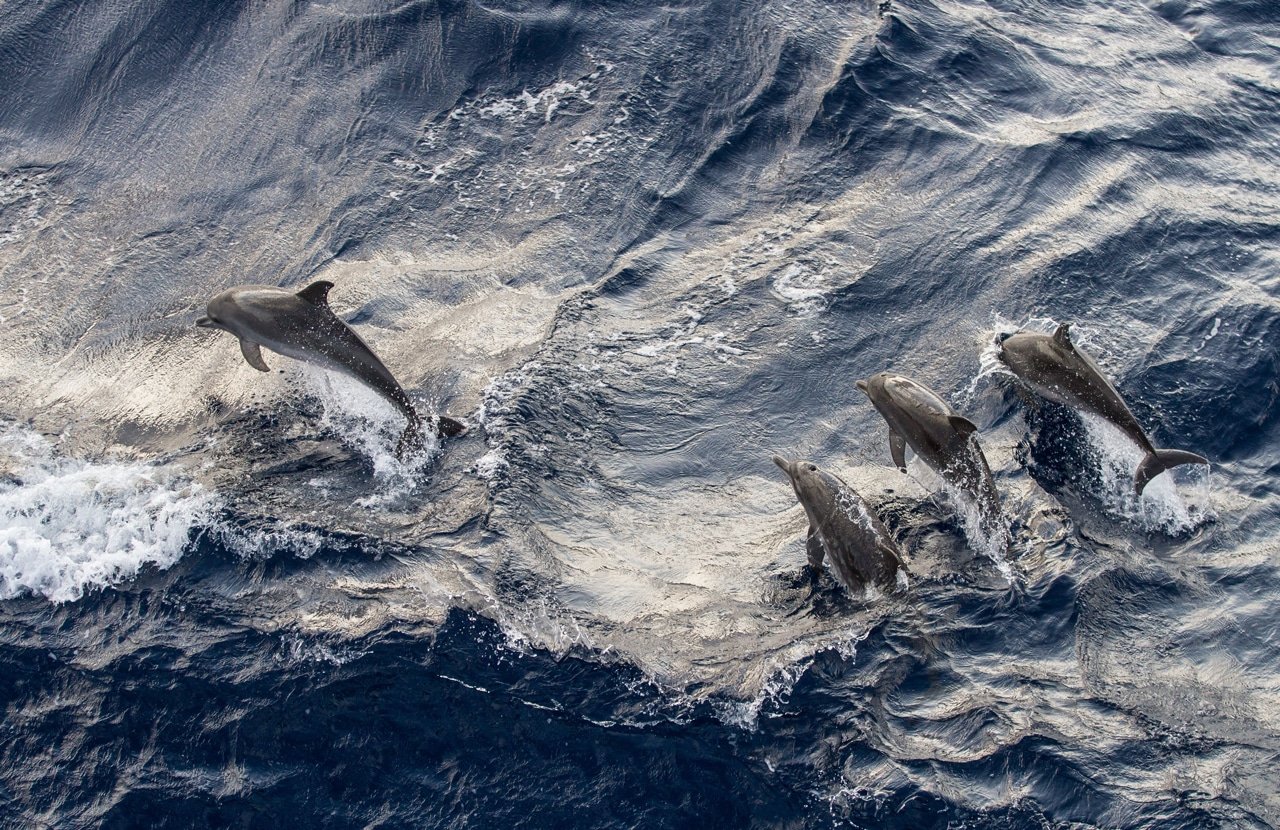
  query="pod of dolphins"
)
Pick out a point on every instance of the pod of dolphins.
point(843, 528)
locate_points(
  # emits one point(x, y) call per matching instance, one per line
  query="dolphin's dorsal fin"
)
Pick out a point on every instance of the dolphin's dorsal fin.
point(317, 293)
point(962, 424)
point(898, 449)
point(253, 354)
point(1063, 336)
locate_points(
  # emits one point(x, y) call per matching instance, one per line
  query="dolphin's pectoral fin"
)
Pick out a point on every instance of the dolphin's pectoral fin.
point(962, 424)
point(317, 293)
point(898, 449)
point(253, 354)
point(1062, 336)
point(816, 551)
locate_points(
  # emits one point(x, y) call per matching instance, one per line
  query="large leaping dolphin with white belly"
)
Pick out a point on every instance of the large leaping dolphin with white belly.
point(302, 326)
point(944, 440)
point(1057, 369)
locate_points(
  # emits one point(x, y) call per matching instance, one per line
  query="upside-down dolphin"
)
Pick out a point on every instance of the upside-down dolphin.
point(944, 440)
point(1057, 369)
point(302, 326)
point(843, 528)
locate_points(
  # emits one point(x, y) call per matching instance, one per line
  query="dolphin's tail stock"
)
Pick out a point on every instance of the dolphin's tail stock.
point(1157, 462)
point(411, 440)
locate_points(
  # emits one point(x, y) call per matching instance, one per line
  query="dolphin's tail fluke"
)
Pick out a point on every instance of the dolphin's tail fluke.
point(450, 427)
point(1159, 461)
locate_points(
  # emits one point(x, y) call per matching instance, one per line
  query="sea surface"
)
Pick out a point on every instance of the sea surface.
point(639, 248)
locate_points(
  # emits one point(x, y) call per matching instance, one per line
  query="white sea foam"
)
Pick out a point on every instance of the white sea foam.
point(265, 542)
point(803, 289)
point(496, 399)
point(68, 525)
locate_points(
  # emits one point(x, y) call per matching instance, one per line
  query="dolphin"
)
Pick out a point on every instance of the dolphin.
point(844, 527)
point(1054, 367)
point(302, 326)
point(947, 442)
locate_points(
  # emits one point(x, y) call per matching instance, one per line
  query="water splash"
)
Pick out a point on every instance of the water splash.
point(68, 525)
point(987, 535)
point(363, 420)
point(1160, 507)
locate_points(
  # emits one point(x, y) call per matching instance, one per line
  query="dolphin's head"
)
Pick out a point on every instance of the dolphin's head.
point(874, 386)
point(1017, 349)
point(806, 478)
point(220, 313)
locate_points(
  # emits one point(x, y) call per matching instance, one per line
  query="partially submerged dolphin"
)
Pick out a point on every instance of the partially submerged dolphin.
point(944, 440)
point(302, 326)
point(843, 527)
point(1054, 367)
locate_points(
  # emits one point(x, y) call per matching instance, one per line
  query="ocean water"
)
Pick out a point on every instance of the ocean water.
point(639, 248)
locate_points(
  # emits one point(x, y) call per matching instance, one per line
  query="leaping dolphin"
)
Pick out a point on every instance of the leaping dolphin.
point(302, 326)
point(944, 440)
point(1056, 368)
point(843, 527)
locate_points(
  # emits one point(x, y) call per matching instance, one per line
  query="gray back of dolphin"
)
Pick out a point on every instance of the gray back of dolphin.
point(302, 326)
point(843, 528)
point(919, 418)
point(1057, 369)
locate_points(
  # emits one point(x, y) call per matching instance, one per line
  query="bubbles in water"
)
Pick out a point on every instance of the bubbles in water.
point(69, 525)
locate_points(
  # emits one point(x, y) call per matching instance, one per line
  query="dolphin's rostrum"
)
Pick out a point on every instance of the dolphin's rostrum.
point(1056, 368)
point(919, 418)
point(302, 326)
point(843, 528)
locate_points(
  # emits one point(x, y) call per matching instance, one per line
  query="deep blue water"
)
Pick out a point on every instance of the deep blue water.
point(639, 248)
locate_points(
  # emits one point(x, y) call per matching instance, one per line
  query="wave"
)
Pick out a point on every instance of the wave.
point(69, 526)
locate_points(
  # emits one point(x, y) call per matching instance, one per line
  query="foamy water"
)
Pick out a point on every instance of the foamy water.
point(70, 525)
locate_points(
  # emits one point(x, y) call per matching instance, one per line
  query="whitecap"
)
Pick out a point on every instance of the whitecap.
point(69, 525)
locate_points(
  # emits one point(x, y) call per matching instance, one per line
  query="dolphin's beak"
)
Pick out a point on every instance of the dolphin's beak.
point(862, 384)
point(783, 463)
point(204, 323)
